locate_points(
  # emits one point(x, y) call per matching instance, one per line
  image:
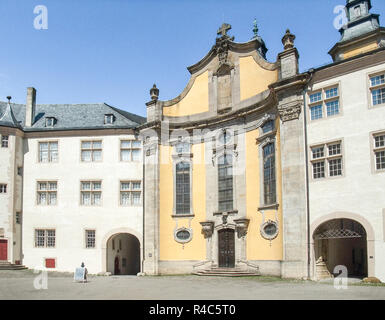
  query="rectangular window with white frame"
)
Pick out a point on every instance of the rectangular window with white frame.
point(48, 151)
point(45, 238)
point(130, 193)
point(379, 151)
point(4, 141)
point(91, 193)
point(47, 193)
point(90, 238)
point(326, 160)
point(130, 150)
point(377, 89)
point(324, 103)
point(91, 151)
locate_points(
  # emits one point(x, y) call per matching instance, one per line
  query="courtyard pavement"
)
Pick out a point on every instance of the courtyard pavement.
point(21, 285)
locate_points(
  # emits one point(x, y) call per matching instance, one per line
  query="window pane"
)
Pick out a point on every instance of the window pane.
point(135, 155)
point(52, 198)
point(335, 167)
point(318, 170)
point(315, 97)
point(50, 238)
point(52, 186)
point(43, 152)
point(330, 93)
point(39, 238)
point(125, 155)
point(334, 149)
point(42, 198)
point(136, 144)
point(96, 198)
point(136, 186)
point(125, 186)
point(97, 144)
point(86, 198)
point(86, 186)
point(380, 160)
point(136, 197)
point(125, 144)
point(380, 141)
point(86, 156)
point(378, 96)
point(86, 145)
point(333, 108)
point(42, 186)
point(96, 186)
point(97, 155)
point(377, 80)
point(124, 198)
point(318, 152)
point(316, 112)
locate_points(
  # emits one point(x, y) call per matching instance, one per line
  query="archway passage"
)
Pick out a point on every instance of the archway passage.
point(123, 254)
point(342, 242)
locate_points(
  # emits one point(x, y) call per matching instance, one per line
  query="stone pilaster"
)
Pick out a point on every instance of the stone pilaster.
point(151, 204)
point(289, 95)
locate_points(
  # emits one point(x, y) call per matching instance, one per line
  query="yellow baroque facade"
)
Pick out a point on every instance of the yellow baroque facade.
point(213, 165)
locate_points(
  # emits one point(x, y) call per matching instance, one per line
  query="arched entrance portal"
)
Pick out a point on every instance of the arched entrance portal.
point(342, 242)
point(123, 254)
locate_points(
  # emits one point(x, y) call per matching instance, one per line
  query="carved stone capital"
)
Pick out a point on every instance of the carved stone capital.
point(207, 228)
point(290, 111)
point(241, 226)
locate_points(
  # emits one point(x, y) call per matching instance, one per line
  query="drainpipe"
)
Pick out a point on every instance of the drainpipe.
point(311, 73)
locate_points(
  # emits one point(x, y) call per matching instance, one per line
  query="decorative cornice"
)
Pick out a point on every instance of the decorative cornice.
point(290, 111)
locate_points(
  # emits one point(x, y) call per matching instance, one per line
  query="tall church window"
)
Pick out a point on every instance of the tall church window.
point(182, 180)
point(225, 183)
point(269, 186)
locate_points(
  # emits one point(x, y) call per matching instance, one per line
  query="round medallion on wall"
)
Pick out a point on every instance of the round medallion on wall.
point(269, 230)
point(183, 235)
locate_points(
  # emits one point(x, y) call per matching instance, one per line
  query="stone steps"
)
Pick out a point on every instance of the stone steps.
point(221, 272)
point(5, 265)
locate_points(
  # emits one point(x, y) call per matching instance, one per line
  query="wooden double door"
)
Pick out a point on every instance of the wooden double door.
point(226, 248)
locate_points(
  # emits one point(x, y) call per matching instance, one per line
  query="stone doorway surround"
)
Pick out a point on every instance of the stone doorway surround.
point(370, 238)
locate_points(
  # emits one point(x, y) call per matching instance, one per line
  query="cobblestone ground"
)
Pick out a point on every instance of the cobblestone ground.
point(20, 285)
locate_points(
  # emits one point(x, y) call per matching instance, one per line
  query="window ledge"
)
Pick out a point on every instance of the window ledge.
point(188, 215)
point(218, 213)
point(273, 206)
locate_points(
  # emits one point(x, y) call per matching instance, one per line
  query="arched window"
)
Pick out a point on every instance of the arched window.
point(225, 183)
point(269, 190)
point(182, 188)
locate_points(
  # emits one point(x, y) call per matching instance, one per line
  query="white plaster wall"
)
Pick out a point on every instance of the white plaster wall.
point(68, 217)
point(359, 191)
point(6, 200)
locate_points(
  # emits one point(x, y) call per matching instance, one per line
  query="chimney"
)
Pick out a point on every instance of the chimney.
point(30, 107)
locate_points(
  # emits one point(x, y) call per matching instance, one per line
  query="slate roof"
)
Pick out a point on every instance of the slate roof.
point(70, 116)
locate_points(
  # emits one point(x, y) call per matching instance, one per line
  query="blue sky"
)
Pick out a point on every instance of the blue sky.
point(114, 50)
